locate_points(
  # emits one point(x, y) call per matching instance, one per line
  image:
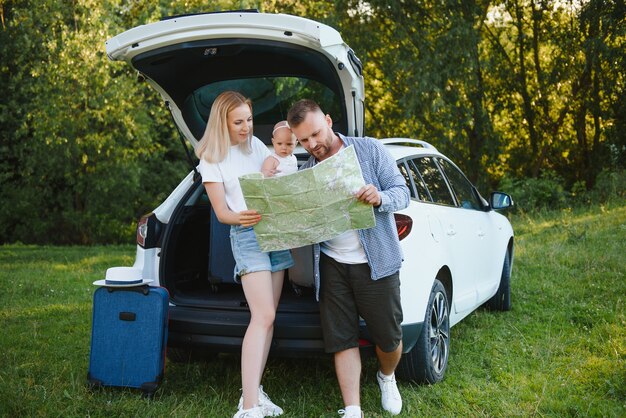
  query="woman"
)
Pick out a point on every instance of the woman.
point(228, 150)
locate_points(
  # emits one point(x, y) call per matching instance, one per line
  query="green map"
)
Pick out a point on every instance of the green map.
point(309, 206)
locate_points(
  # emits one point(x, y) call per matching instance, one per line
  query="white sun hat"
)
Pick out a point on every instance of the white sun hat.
point(122, 277)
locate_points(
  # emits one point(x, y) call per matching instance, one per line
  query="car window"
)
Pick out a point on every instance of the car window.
point(405, 174)
point(434, 181)
point(422, 191)
point(461, 187)
point(271, 99)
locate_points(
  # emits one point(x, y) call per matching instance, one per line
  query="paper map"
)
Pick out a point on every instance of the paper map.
point(309, 206)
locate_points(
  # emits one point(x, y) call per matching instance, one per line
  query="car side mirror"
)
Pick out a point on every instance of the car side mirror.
point(500, 200)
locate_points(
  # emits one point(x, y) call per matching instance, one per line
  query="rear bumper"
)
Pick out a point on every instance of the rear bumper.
point(295, 333)
point(223, 330)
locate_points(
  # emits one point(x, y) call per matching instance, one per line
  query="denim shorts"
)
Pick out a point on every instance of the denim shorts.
point(248, 256)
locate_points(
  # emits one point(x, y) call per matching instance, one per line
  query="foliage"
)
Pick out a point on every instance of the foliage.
point(508, 88)
point(609, 185)
point(83, 142)
point(513, 89)
point(561, 351)
point(531, 194)
point(549, 191)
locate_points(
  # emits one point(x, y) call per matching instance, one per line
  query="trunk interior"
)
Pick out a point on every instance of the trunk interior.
point(197, 264)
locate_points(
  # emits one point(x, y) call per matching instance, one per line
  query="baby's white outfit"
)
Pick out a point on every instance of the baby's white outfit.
point(286, 165)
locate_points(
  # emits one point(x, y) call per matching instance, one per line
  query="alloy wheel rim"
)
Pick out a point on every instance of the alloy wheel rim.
point(439, 333)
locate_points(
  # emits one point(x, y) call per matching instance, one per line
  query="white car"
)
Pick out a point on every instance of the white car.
point(458, 250)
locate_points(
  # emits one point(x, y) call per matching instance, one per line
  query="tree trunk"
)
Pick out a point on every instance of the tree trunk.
point(528, 109)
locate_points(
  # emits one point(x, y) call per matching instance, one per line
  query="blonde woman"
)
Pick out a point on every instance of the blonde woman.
point(226, 151)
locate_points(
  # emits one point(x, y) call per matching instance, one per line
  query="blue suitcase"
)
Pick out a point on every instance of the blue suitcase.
point(129, 337)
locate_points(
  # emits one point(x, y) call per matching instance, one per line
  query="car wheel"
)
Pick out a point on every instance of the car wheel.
point(501, 301)
point(427, 361)
point(187, 355)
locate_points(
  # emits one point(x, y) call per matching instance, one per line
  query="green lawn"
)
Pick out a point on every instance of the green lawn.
point(559, 352)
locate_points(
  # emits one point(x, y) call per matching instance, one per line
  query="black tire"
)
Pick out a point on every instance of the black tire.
point(501, 301)
point(427, 361)
point(188, 355)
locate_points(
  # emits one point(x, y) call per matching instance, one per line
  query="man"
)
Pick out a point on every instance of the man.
point(357, 273)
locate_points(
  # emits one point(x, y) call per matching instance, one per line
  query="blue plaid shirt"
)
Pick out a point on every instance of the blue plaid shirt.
point(381, 243)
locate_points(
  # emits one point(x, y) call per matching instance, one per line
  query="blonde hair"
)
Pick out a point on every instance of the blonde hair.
point(215, 143)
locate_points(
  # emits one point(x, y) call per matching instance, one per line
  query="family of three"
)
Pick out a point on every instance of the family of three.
point(356, 273)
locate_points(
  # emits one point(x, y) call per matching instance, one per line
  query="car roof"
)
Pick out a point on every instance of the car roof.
point(399, 148)
point(407, 147)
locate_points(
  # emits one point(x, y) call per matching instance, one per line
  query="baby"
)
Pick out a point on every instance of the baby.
point(282, 161)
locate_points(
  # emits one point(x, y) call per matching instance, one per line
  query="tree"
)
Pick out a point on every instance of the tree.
point(78, 140)
point(513, 88)
point(425, 72)
point(556, 94)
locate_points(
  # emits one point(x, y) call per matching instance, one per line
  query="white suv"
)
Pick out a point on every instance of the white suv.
point(458, 251)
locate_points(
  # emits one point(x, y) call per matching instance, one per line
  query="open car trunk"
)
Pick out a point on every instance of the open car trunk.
point(197, 265)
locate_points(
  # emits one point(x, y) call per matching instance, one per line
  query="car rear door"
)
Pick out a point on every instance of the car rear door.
point(446, 217)
point(476, 227)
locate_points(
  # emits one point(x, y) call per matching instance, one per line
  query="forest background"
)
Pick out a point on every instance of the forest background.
point(526, 96)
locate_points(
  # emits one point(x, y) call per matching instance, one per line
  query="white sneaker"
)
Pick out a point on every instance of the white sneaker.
point(270, 409)
point(350, 414)
point(255, 412)
point(390, 396)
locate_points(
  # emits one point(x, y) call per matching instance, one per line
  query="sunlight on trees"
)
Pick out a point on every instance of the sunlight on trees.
point(509, 90)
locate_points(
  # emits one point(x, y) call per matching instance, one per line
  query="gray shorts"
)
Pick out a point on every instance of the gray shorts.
point(347, 291)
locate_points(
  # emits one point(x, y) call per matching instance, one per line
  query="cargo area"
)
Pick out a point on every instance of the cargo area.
point(198, 268)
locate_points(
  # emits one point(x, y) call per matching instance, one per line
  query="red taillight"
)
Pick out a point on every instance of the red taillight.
point(364, 343)
point(404, 224)
point(142, 230)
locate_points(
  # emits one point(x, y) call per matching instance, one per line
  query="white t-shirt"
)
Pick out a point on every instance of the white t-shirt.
point(234, 165)
point(345, 248)
point(286, 165)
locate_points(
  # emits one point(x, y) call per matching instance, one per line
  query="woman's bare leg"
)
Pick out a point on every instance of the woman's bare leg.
point(259, 289)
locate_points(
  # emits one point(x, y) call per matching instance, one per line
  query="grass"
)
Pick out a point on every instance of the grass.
point(559, 352)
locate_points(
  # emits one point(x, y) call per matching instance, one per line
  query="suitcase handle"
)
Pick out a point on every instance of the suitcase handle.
point(128, 316)
point(145, 289)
